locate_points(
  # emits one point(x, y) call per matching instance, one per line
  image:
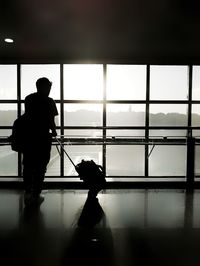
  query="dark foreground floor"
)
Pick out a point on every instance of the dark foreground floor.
point(123, 227)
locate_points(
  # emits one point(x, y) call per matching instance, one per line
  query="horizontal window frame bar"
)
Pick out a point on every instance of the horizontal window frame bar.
point(121, 127)
point(9, 101)
point(111, 101)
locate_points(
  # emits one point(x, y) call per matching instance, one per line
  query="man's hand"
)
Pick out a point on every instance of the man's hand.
point(53, 133)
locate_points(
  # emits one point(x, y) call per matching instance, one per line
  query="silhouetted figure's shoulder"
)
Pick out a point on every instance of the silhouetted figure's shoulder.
point(36, 103)
point(37, 96)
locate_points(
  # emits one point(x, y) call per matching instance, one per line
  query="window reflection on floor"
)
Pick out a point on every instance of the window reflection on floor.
point(123, 208)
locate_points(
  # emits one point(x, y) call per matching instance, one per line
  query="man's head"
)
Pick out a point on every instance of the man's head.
point(43, 86)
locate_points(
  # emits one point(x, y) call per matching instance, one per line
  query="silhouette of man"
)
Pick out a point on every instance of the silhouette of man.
point(40, 111)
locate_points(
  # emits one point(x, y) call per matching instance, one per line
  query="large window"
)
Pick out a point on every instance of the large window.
point(132, 119)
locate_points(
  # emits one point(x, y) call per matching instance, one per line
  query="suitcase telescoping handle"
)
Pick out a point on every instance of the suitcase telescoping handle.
point(62, 147)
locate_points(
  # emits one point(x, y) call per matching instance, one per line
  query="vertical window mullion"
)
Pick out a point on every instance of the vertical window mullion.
point(61, 118)
point(147, 120)
point(189, 98)
point(104, 117)
point(19, 113)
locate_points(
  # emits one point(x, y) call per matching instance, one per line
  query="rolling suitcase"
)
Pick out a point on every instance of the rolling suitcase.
point(90, 172)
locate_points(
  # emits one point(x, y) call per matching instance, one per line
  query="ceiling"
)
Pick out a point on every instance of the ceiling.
point(139, 31)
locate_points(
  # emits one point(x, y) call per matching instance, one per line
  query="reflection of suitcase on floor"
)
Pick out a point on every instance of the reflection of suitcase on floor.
point(88, 171)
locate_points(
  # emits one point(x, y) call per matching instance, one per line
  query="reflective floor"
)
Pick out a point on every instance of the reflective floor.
point(122, 227)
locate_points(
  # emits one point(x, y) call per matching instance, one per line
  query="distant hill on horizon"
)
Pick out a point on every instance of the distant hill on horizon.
point(94, 118)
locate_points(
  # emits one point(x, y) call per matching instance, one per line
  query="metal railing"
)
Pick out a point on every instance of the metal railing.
point(189, 142)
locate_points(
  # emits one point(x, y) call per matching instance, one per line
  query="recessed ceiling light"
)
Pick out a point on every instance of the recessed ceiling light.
point(8, 40)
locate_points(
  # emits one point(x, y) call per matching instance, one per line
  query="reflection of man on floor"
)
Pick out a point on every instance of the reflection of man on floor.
point(40, 111)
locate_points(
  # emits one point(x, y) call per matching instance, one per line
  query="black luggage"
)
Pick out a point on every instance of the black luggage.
point(91, 173)
point(19, 134)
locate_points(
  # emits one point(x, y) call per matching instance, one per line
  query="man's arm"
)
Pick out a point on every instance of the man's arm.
point(53, 128)
point(54, 113)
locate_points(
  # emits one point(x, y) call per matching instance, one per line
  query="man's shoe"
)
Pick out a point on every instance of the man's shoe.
point(38, 199)
point(27, 198)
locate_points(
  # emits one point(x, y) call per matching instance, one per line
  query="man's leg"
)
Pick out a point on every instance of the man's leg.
point(27, 176)
point(39, 158)
point(38, 182)
point(40, 169)
point(33, 178)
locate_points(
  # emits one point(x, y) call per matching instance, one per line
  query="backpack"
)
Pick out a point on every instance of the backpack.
point(18, 136)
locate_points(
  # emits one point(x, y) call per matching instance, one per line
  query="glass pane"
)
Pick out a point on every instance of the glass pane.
point(196, 83)
point(167, 160)
point(161, 133)
point(8, 82)
point(125, 133)
point(5, 132)
point(195, 119)
point(125, 114)
point(196, 133)
point(168, 115)
point(197, 160)
point(83, 82)
point(126, 82)
point(195, 115)
point(8, 161)
point(31, 73)
point(8, 113)
point(168, 82)
point(77, 153)
point(53, 167)
point(127, 160)
point(83, 114)
point(83, 133)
